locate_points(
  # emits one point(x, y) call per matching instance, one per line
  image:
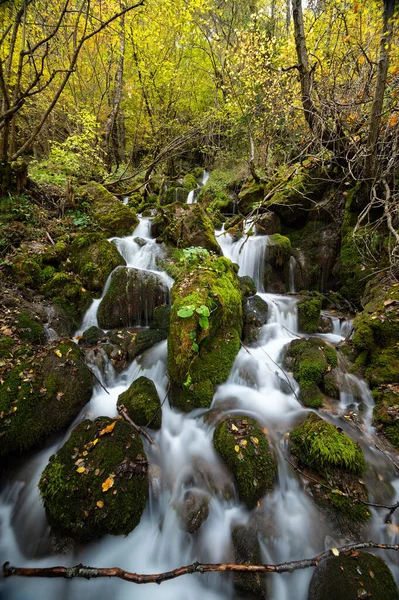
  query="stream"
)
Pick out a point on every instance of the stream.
point(292, 525)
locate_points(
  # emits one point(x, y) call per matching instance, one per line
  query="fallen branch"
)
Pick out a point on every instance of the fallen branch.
point(97, 378)
point(123, 413)
point(196, 567)
point(391, 508)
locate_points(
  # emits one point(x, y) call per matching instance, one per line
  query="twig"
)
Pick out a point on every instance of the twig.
point(50, 238)
point(97, 379)
point(123, 413)
point(159, 407)
point(196, 567)
point(340, 493)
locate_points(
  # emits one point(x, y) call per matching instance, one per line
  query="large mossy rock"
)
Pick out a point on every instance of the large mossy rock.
point(337, 461)
point(110, 213)
point(186, 225)
point(243, 446)
point(42, 396)
point(131, 298)
point(376, 353)
point(353, 576)
point(276, 270)
point(66, 290)
point(96, 484)
point(255, 316)
point(201, 351)
point(142, 403)
point(311, 360)
point(251, 192)
point(309, 309)
point(93, 257)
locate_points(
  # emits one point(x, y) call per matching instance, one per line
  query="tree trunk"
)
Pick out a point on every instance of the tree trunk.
point(372, 163)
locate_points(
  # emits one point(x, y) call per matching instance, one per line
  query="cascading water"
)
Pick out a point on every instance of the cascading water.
point(184, 461)
point(192, 196)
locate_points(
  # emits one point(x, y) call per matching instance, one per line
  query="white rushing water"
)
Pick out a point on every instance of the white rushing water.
point(192, 196)
point(291, 526)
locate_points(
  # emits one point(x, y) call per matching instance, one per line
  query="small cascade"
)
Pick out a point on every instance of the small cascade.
point(205, 177)
point(346, 328)
point(126, 200)
point(192, 196)
point(292, 274)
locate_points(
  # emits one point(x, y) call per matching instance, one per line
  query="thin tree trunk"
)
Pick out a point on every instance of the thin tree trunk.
point(372, 163)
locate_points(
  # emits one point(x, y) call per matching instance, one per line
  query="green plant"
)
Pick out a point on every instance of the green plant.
point(79, 218)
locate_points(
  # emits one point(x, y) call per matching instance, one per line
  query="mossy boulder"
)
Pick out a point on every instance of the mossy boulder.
point(96, 484)
point(268, 224)
point(93, 257)
point(175, 193)
point(243, 446)
point(351, 576)
point(310, 360)
point(255, 316)
point(143, 340)
point(92, 336)
point(251, 193)
point(67, 291)
point(247, 550)
point(276, 269)
point(309, 309)
point(142, 403)
point(27, 270)
point(131, 298)
point(110, 213)
point(247, 286)
point(337, 461)
point(185, 225)
point(193, 509)
point(6, 345)
point(205, 331)
point(29, 329)
point(41, 396)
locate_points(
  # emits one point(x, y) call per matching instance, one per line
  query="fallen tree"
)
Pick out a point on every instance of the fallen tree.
point(196, 567)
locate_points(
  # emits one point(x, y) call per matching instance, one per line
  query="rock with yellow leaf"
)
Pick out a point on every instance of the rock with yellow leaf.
point(353, 575)
point(97, 483)
point(243, 446)
point(41, 396)
point(142, 403)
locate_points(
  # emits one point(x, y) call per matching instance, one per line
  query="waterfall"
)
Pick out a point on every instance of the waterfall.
point(192, 196)
point(292, 274)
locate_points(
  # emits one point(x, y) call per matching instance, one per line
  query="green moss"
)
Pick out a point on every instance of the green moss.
point(6, 344)
point(253, 466)
point(331, 355)
point(92, 335)
point(27, 271)
point(347, 577)
point(93, 257)
point(42, 396)
point(330, 385)
point(67, 291)
point(309, 314)
point(247, 286)
point(279, 249)
point(28, 329)
point(75, 502)
point(194, 372)
point(110, 213)
point(354, 511)
point(319, 445)
point(310, 395)
point(142, 403)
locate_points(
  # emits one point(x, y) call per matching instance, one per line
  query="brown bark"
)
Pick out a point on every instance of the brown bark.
point(94, 573)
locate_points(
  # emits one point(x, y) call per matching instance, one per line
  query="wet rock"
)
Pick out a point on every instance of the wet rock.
point(354, 576)
point(255, 316)
point(268, 224)
point(142, 403)
point(131, 298)
point(110, 213)
point(93, 257)
point(337, 461)
point(185, 225)
point(247, 286)
point(244, 447)
point(331, 384)
point(140, 241)
point(92, 336)
point(202, 345)
point(309, 314)
point(247, 551)
point(143, 340)
point(325, 324)
point(161, 318)
point(310, 360)
point(97, 483)
point(42, 396)
point(194, 509)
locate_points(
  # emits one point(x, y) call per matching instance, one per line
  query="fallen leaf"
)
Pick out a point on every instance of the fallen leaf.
point(237, 448)
point(100, 504)
point(108, 429)
point(58, 353)
point(244, 443)
point(97, 472)
point(80, 470)
point(108, 483)
point(233, 427)
point(335, 551)
point(60, 395)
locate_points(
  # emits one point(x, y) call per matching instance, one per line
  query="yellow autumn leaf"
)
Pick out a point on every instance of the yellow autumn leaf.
point(233, 427)
point(237, 448)
point(100, 504)
point(244, 443)
point(255, 439)
point(94, 442)
point(335, 551)
point(80, 470)
point(58, 353)
point(85, 453)
point(108, 483)
point(108, 429)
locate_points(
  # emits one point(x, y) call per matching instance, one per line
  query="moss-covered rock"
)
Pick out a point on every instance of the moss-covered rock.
point(27, 271)
point(251, 193)
point(247, 286)
point(310, 361)
point(337, 461)
point(142, 403)
point(351, 576)
point(247, 550)
point(42, 396)
point(110, 213)
point(268, 224)
point(96, 484)
point(331, 384)
point(29, 329)
point(161, 318)
point(66, 290)
point(194, 509)
point(309, 309)
point(185, 225)
point(143, 340)
point(255, 316)
point(175, 193)
point(243, 446)
point(131, 298)
point(92, 336)
point(6, 345)
point(205, 331)
point(93, 257)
